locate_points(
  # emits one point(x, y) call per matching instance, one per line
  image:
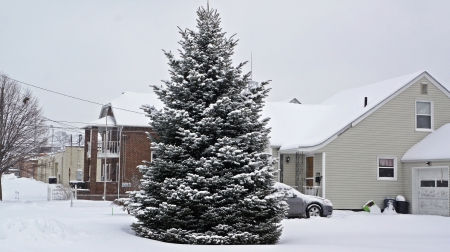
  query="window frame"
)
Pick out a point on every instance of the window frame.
point(395, 168)
point(431, 129)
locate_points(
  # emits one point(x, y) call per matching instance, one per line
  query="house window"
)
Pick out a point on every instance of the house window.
point(424, 115)
point(111, 172)
point(387, 168)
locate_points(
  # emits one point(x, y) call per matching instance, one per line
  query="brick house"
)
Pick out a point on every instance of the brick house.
point(115, 145)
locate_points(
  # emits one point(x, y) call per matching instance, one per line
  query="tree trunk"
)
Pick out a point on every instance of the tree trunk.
point(1, 192)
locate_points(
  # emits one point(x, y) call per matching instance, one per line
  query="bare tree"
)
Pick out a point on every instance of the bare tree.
point(22, 125)
point(62, 138)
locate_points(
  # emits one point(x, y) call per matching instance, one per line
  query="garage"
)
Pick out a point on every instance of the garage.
point(426, 173)
point(433, 191)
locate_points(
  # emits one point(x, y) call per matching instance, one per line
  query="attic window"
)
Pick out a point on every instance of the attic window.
point(424, 88)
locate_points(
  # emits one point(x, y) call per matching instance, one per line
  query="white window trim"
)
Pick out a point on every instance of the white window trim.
point(378, 168)
point(432, 116)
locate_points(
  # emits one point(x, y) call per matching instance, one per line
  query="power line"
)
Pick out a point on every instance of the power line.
point(100, 124)
point(59, 122)
point(73, 97)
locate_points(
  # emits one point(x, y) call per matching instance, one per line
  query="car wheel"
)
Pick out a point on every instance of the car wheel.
point(313, 211)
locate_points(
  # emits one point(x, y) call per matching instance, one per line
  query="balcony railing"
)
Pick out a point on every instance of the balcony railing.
point(108, 147)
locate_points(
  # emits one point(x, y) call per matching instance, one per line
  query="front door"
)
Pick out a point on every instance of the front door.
point(433, 194)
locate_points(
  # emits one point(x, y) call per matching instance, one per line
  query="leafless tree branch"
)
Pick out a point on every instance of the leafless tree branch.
point(22, 125)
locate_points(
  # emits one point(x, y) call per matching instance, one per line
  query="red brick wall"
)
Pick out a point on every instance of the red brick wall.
point(135, 147)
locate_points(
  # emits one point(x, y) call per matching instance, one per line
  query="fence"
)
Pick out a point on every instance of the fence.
point(58, 192)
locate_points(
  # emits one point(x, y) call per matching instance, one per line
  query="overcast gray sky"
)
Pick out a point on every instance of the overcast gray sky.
point(310, 50)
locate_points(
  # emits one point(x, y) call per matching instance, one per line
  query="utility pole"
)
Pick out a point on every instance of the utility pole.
point(120, 154)
point(105, 151)
point(52, 166)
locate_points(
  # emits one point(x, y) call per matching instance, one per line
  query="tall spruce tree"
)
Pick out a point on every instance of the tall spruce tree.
point(211, 181)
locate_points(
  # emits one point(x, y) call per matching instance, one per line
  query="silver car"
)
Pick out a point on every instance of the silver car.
point(301, 205)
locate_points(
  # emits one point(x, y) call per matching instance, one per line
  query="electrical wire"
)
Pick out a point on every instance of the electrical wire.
point(70, 96)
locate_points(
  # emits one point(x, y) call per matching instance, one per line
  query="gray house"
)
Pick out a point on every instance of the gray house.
point(370, 142)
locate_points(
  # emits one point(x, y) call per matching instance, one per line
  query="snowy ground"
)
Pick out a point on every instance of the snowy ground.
point(34, 224)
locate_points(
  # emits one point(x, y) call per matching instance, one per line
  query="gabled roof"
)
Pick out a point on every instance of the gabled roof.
point(292, 100)
point(310, 127)
point(435, 146)
point(126, 109)
point(109, 121)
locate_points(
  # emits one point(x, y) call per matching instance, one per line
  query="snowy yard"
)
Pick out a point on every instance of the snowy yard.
point(34, 224)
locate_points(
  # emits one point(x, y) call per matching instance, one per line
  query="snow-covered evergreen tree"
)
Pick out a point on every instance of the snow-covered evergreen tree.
point(211, 181)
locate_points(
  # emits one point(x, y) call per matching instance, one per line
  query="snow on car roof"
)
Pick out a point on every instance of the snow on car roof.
point(435, 146)
point(295, 126)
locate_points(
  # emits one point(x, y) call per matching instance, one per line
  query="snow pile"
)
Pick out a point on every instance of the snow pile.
point(389, 210)
point(37, 230)
point(374, 209)
point(23, 188)
point(42, 226)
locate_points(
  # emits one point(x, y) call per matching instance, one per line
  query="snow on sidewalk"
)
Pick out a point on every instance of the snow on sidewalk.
point(34, 224)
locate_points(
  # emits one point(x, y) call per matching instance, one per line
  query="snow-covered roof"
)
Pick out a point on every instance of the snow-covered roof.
point(110, 121)
point(134, 101)
point(127, 111)
point(310, 127)
point(435, 146)
point(292, 100)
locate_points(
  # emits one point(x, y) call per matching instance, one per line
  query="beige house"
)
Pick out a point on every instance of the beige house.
point(352, 148)
point(63, 166)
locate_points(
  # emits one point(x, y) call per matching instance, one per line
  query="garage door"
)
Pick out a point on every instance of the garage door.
point(433, 191)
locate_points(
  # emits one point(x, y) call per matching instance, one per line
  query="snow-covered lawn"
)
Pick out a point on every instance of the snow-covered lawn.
point(34, 224)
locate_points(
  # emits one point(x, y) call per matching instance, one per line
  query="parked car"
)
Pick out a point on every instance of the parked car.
point(301, 205)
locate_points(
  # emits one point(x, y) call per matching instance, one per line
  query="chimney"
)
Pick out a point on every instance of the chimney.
point(365, 101)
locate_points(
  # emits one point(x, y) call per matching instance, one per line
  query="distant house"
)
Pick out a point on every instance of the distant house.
point(370, 142)
point(115, 144)
point(61, 167)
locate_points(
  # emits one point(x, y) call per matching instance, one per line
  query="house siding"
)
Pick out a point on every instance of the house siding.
point(351, 159)
point(289, 170)
point(71, 158)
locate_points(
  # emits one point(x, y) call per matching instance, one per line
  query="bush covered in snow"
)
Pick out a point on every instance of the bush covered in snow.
point(211, 181)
